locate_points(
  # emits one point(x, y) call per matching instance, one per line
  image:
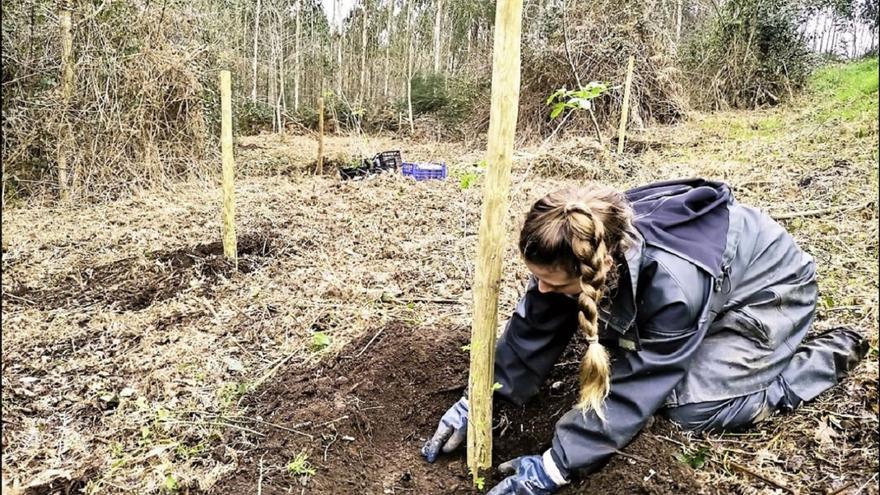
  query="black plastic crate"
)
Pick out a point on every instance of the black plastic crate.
point(388, 160)
point(365, 168)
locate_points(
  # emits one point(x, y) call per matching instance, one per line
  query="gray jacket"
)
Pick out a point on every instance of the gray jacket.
point(711, 301)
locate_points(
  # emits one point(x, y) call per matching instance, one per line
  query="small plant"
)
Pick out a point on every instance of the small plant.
point(468, 179)
point(170, 483)
point(231, 392)
point(320, 341)
point(694, 458)
point(576, 98)
point(480, 482)
point(300, 466)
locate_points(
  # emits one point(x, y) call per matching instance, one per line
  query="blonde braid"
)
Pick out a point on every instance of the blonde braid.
point(588, 245)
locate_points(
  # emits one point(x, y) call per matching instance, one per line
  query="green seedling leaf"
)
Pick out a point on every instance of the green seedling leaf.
point(466, 348)
point(496, 386)
point(557, 109)
point(320, 341)
point(171, 483)
point(468, 179)
point(559, 93)
point(480, 482)
point(693, 458)
point(300, 466)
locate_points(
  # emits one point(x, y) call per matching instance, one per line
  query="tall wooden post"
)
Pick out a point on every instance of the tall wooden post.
point(499, 154)
point(66, 90)
point(320, 169)
point(624, 113)
point(229, 242)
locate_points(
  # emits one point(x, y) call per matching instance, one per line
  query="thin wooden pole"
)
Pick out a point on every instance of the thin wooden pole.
point(624, 114)
point(320, 169)
point(492, 237)
point(229, 241)
point(66, 90)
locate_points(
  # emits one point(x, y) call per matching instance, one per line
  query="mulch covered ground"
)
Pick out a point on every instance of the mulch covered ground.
point(136, 360)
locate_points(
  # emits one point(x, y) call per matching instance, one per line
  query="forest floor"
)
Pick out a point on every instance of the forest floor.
point(135, 360)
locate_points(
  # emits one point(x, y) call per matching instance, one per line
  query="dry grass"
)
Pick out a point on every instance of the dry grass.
point(129, 401)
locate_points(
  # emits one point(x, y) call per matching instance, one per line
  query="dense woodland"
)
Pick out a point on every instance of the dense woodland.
point(133, 100)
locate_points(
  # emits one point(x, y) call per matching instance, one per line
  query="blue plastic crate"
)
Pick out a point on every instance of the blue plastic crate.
point(424, 171)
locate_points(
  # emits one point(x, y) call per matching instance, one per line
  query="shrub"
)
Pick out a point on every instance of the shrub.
point(749, 54)
point(449, 98)
point(252, 118)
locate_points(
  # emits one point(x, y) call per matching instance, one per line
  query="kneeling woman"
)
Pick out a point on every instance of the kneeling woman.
point(692, 305)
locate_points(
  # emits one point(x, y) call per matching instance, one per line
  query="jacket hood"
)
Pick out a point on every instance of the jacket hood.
point(688, 218)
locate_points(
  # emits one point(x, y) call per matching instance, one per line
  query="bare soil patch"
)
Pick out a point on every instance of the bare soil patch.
point(135, 283)
point(362, 416)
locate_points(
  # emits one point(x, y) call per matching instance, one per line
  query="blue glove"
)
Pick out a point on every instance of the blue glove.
point(530, 475)
point(450, 433)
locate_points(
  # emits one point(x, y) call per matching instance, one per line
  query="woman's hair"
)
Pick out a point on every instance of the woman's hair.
point(582, 230)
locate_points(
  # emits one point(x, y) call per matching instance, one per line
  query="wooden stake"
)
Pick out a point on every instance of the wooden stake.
point(229, 242)
point(320, 169)
point(66, 90)
point(624, 114)
point(492, 237)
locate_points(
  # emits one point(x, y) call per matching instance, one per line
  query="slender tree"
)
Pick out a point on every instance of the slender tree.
point(254, 62)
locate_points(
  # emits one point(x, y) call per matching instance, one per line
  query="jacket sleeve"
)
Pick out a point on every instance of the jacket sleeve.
point(669, 329)
point(535, 337)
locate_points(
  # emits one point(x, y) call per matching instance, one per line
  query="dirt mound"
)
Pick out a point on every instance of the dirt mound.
point(133, 284)
point(362, 417)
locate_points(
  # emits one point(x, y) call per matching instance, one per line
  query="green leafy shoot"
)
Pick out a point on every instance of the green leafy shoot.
point(578, 99)
point(300, 466)
point(695, 458)
point(320, 341)
point(170, 483)
point(480, 482)
point(496, 386)
point(468, 179)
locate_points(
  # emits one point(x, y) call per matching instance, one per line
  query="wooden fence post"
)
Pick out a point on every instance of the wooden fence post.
point(320, 169)
point(624, 114)
point(230, 250)
point(66, 90)
point(492, 237)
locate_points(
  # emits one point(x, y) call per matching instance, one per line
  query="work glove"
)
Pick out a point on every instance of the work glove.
point(450, 433)
point(529, 475)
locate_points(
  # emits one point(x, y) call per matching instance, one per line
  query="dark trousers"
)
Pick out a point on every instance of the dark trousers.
point(817, 365)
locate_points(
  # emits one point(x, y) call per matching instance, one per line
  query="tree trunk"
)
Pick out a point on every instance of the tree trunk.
point(833, 34)
point(272, 86)
point(339, 65)
point(363, 75)
point(282, 97)
point(388, 39)
point(254, 62)
point(678, 15)
point(437, 16)
point(297, 61)
point(855, 38)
